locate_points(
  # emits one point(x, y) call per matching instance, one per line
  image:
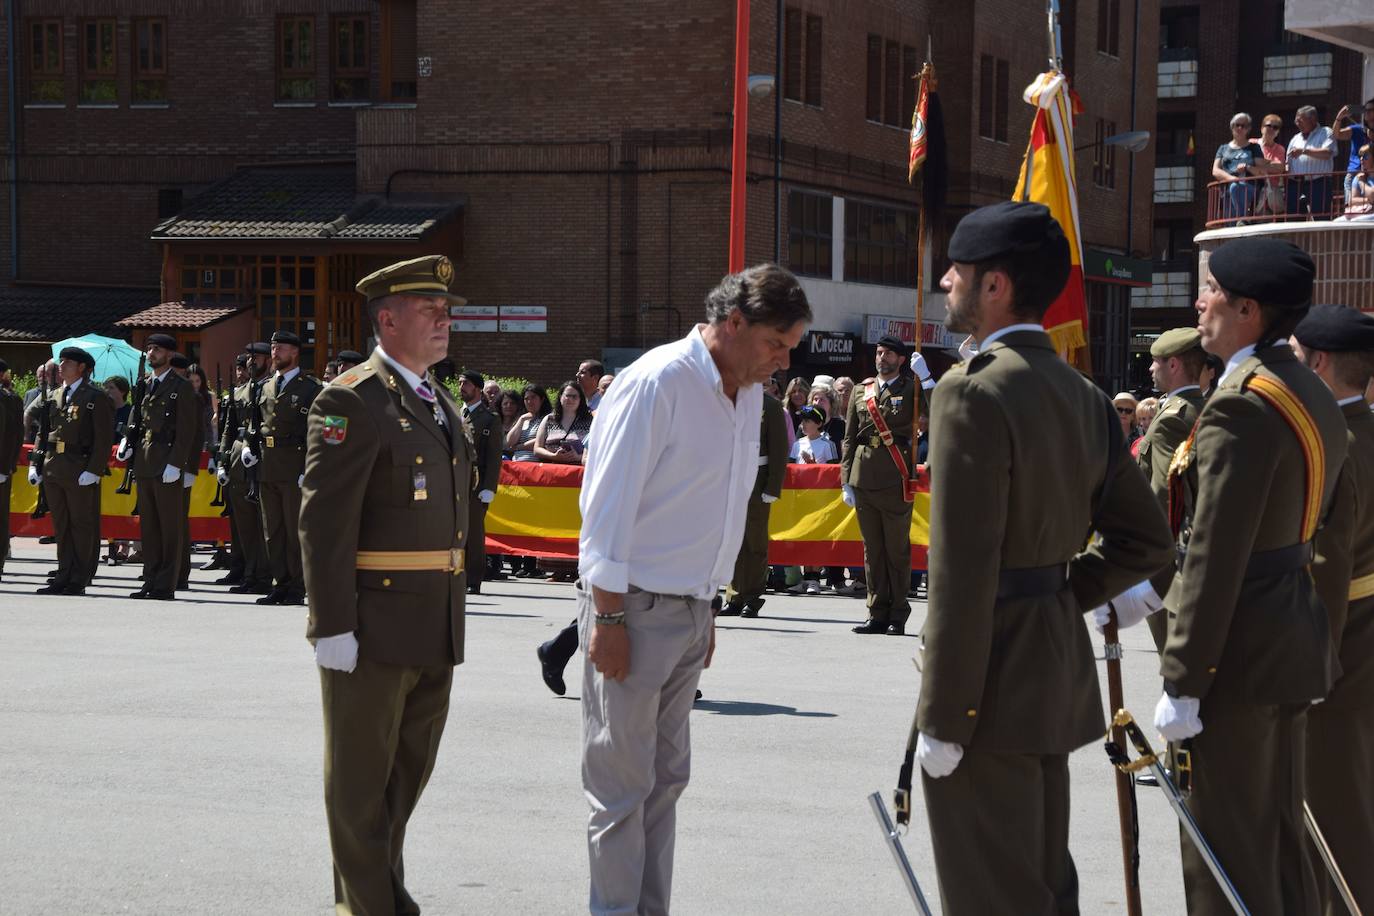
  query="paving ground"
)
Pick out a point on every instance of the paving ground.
point(164, 758)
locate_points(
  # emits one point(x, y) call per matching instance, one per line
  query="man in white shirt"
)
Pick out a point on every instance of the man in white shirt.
point(1310, 156)
point(663, 502)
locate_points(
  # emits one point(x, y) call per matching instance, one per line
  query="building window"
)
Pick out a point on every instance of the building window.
point(873, 110)
point(1173, 242)
point(209, 278)
point(879, 244)
point(45, 61)
point(296, 59)
point(801, 73)
point(98, 69)
point(286, 299)
point(349, 39)
point(150, 60)
point(994, 78)
point(399, 51)
point(1104, 156)
point(891, 84)
point(1109, 27)
point(809, 234)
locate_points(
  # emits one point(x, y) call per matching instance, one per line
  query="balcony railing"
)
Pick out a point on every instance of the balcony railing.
point(1281, 198)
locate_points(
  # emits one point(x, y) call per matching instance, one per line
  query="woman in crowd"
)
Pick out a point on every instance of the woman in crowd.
point(1235, 162)
point(509, 407)
point(562, 435)
point(520, 439)
point(824, 397)
point(1275, 162)
point(1145, 412)
point(1359, 133)
point(117, 387)
point(795, 400)
point(1359, 199)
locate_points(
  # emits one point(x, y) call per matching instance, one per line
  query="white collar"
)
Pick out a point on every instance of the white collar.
point(164, 374)
point(75, 385)
point(413, 380)
point(1009, 329)
point(1354, 398)
point(1236, 359)
point(285, 379)
point(700, 353)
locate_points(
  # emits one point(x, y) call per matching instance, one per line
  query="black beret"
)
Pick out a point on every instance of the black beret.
point(259, 348)
point(179, 361)
point(1336, 329)
point(286, 337)
point(4, 366)
point(893, 344)
point(474, 377)
point(1271, 271)
point(1011, 227)
point(241, 359)
point(76, 354)
point(165, 341)
point(350, 356)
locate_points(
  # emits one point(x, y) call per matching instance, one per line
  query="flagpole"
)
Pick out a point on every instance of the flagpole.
point(739, 156)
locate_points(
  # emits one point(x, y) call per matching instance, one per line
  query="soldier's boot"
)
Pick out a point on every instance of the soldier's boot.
point(751, 607)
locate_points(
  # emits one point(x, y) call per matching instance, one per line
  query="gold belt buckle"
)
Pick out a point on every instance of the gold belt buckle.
point(271, 442)
point(61, 447)
point(455, 558)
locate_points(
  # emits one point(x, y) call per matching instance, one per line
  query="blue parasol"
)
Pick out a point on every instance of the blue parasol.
point(112, 356)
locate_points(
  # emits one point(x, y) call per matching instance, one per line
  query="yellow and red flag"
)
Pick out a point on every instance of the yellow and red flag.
point(919, 132)
point(1047, 177)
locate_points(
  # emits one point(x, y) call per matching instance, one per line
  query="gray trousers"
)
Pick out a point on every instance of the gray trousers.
point(636, 748)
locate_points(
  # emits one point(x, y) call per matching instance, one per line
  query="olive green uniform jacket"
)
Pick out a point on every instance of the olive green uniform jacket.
point(284, 423)
point(171, 418)
point(864, 460)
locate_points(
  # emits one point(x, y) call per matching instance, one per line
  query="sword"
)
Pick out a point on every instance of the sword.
point(894, 842)
point(1329, 860)
point(1117, 755)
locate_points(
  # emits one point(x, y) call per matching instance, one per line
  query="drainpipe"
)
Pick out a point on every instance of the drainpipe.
point(1130, 166)
point(14, 143)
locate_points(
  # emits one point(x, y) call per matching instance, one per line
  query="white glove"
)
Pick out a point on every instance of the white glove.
point(938, 758)
point(33, 476)
point(222, 476)
point(210, 465)
point(188, 481)
point(847, 494)
point(87, 478)
point(171, 474)
point(1131, 606)
point(300, 481)
point(968, 349)
point(248, 458)
point(337, 652)
point(486, 496)
point(767, 498)
point(1176, 717)
point(126, 451)
point(4, 477)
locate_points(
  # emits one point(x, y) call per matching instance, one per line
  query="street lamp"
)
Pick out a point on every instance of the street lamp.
point(760, 85)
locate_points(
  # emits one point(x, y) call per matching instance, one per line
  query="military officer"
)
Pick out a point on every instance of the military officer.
point(169, 419)
point(1337, 343)
point(874, 474)
point(388, 476)
point(285, 401)
point(744, 595)
point(11, 443)
point(486, 438)
point(348, 359)
point(244, 516)
point(182, 367)
point(1027, 457)
point(82, 431)
point(1249, 642)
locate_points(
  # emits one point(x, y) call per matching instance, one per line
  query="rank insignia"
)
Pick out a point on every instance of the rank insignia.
point(405, 425)
point(335, 430)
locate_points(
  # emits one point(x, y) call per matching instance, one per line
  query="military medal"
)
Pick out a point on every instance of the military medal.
point(421, 491)
point(405, 425)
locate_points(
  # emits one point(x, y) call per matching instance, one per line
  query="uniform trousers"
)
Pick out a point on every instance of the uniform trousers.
point(5, 522)
point(76, 524)
point(1247, 800)
point(999, 825)
point(280, 504)
point(751, 565)
point(475, 553)
point(1340, 759)
point(184, 568)
point(245, 524)
point(885, 525)
point(382, 725)
point(636, 748)
point(159, 522)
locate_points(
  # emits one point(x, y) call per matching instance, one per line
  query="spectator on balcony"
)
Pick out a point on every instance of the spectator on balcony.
point(1309, 161)
point(1234, 164)
point(1275, 162)
point(1358, 134)
point(1359, 200)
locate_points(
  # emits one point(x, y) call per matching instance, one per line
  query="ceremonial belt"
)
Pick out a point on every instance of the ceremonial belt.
point(877, 442)
point(450, 560)
point(885, 435)
point(283, 441)
point(62, 449)
point(1362, 587)
point(1032, 582)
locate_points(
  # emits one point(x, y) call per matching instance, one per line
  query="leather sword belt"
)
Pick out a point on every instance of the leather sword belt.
point(1269, 563)
point(902, 442)
point(63, 448)
point(1032, 582)
point(450, 560)
point(1362, 587)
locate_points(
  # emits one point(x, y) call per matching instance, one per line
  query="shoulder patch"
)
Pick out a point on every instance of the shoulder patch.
point(335, 430)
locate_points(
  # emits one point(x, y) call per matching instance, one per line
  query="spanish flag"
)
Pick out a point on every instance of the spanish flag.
point(1047, 177)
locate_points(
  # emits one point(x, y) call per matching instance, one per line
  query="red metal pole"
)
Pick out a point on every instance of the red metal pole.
point(740, 151)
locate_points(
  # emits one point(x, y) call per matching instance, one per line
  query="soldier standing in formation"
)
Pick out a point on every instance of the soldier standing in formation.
point(245, 517)
point(1028, 457)
point(388, 475)
point(182, 367)
point(11, 444)
point(78, 456)
point(285, 405)
point(874, 475)
point(744, 594)
point(486, 439)
point(1337, 343)
point(170, 419)
point(1249, 643)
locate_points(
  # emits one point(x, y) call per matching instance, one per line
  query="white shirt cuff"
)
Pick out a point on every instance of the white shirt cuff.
point(607, 575)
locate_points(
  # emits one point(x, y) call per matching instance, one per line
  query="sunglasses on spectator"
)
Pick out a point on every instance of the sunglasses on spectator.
point(1126, 411)
point(1269, 125)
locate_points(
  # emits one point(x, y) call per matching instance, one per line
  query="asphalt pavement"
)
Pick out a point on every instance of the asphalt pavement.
point(165, 758)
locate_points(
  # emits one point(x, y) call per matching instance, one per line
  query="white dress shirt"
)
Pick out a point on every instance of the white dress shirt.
point(281, 380)
point(1236, 359)
point(668, 479)
point(1009, 329)
point(1353, 399)
point(1319, 138)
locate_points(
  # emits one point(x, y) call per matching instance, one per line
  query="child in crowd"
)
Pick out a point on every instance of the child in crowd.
point(811, 447)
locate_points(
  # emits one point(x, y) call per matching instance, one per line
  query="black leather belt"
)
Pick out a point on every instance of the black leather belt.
point(1269, 563)
point(1033, 582)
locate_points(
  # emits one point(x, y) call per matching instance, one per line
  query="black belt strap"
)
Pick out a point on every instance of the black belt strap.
point(1269, 563)
point(1032, 582)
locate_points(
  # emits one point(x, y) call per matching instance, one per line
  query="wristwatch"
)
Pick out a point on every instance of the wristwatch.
point(610, 620)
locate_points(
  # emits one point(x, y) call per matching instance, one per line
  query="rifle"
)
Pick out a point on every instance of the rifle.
point(39, 456)
point(254, 442)
point(133, 430)
point(219, 433)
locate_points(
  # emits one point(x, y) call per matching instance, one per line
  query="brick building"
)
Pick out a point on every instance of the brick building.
point(253, 159)
point(1218, 58)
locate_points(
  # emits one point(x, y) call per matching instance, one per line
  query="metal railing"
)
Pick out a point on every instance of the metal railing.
point(1276, 198)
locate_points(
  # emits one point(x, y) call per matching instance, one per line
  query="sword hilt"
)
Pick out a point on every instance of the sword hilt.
point(1126, 722)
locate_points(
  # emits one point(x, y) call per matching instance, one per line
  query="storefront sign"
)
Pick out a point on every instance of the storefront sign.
point(934, 334)
point(834, 347)
point(1104, 267)
point(876, 326)
point(524, 318)
point(473, 318)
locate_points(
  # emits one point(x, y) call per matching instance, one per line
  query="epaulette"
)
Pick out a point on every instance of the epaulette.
point(352, 377)
point(867, 381)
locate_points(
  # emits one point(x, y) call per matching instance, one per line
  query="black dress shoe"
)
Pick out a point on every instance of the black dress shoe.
point(231, 579)
point(141, 593)
point(751, 607)
point(273, 597)
point(731, 609)
point(896, 629)
point(74, 590)
point(293, 598)
point(160, 595)
point(52, 588)
point(553, 676)
point(219, 561)
point(184, 586)
point(871, 627)
point(475, 588)
point(51, 574)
